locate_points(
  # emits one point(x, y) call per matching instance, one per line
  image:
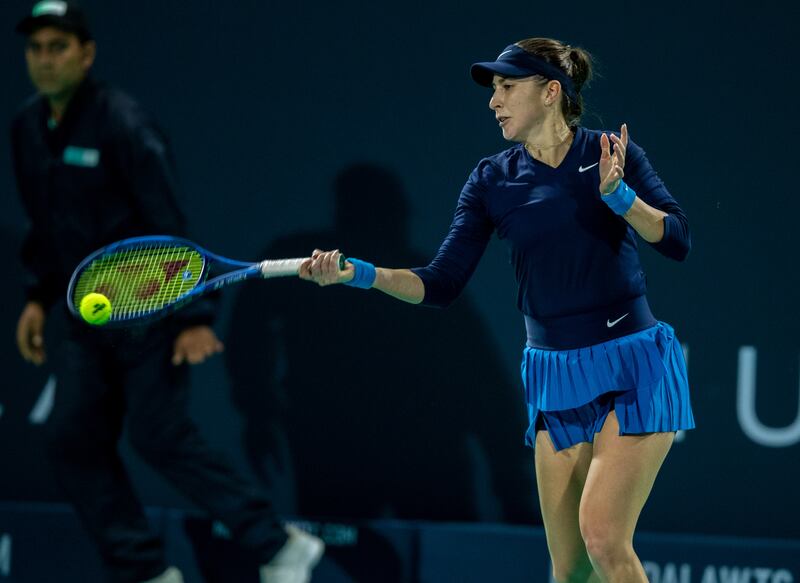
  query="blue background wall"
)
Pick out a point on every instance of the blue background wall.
point(267, 103)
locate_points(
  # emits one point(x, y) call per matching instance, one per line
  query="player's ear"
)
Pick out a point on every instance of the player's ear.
point(89, 48)
point(552, 91)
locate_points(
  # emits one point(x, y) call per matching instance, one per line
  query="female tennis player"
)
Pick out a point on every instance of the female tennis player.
point(605, 382)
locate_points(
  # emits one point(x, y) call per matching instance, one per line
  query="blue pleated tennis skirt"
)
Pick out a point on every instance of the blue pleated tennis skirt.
point(641, 376)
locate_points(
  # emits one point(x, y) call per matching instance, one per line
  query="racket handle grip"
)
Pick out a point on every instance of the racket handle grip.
point(287, 267)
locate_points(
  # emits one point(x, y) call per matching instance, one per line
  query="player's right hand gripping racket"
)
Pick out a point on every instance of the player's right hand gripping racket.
point(145, 278)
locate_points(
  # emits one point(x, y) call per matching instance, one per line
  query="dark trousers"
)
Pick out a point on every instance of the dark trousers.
point(109, 377)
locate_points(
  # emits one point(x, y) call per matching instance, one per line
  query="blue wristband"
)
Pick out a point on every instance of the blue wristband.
point(364, 274)
point(621, 199)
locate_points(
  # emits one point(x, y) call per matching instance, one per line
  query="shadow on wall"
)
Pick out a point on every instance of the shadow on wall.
point(358, 406)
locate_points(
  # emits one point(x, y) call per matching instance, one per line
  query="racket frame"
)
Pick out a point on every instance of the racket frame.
point(242, 270)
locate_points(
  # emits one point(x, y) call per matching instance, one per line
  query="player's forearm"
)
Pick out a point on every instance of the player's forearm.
point(646, 220)
point(402, 284)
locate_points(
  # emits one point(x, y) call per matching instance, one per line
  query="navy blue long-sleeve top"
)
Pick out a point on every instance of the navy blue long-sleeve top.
point(576, 263)
point(104, 173)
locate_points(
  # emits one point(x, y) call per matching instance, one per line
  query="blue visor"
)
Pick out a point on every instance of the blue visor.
point(514, 62)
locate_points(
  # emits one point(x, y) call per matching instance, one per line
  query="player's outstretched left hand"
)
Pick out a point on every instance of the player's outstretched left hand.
point(195, 344)
point(323, 268)
point(612, 164)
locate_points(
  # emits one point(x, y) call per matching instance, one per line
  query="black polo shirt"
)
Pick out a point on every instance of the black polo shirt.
point(104, 173)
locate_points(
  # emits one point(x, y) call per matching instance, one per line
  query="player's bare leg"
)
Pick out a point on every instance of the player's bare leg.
point(620, 478)
point(560, 477)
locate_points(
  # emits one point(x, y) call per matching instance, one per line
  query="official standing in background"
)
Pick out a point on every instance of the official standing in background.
point(91, 168)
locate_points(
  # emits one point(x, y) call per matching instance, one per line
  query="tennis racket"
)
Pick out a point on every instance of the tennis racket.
point(146, 278)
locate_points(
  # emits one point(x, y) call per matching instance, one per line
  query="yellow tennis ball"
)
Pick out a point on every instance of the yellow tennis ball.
point(95, 309)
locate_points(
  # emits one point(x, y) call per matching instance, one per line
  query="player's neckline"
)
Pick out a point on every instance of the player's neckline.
point(570, 153)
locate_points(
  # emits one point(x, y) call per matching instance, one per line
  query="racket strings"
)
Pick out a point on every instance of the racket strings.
point(141, 279)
